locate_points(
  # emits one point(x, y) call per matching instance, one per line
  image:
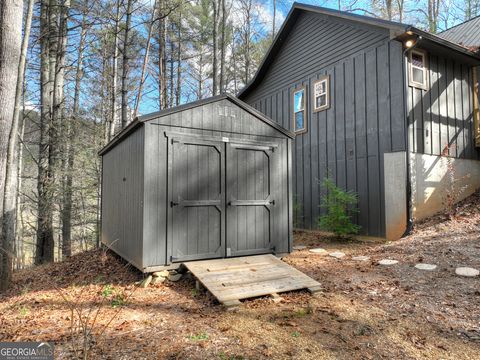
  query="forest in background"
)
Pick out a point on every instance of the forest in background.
point(75, 72)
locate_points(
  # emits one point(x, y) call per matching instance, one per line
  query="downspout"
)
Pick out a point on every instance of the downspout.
point(409, 228)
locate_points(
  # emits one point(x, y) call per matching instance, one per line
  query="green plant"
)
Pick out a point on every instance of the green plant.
point(296, 334)
point(107, 290)
point(199, 337)
point(339, 206)
point(118, 300)
point(23, 311)
point(301, 312)
point(297, 214)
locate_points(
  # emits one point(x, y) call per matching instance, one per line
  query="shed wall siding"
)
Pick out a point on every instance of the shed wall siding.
point(442, 115)
point(122, 197)
point(365, 119)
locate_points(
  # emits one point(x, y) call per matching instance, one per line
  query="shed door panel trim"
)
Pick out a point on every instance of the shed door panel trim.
point(196, 198)
point(249, 199)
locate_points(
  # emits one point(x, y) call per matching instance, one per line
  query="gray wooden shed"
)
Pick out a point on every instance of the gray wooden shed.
point(209, 179)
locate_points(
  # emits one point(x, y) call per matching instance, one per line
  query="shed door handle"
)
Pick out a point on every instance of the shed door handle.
point(173, 203)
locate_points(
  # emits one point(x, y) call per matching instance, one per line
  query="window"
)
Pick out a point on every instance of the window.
point(321, 98)
point(299, 113)
point(418, 69)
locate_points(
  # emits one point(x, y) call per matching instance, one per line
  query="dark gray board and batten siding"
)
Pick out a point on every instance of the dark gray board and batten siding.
point(224, 165)
point(123, 197)
point(365, 120)
point(441, 116)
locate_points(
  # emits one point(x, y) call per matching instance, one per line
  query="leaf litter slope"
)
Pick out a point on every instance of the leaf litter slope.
point(365, 311)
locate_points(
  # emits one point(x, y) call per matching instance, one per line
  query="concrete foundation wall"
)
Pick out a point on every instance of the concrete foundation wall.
point(434, 177)
point(395, 176)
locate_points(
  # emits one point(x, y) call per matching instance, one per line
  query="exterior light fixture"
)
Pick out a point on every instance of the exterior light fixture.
point(409, 43)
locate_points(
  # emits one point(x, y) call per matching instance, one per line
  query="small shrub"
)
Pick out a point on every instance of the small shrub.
point(296, 334)
point(297, 214)
point(339, 206)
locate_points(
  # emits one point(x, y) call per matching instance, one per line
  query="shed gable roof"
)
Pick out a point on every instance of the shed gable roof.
point(138, 121)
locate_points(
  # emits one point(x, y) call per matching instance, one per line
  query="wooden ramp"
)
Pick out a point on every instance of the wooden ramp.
point(230, 280)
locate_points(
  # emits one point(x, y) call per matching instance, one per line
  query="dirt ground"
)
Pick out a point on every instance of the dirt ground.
point(365, 311)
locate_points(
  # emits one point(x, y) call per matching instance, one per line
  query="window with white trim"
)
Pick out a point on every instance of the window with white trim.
point(418, 69)
point(321, 96)
point(299, 113)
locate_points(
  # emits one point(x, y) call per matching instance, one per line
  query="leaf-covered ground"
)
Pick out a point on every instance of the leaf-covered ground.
point(366, 311)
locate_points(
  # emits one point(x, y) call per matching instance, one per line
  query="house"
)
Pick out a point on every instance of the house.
point(208, 179)
point(360, 94)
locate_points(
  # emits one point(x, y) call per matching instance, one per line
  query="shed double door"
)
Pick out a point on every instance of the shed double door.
point(219, 197)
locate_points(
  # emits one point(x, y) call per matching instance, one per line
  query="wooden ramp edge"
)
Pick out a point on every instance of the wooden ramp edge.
point(234, 279)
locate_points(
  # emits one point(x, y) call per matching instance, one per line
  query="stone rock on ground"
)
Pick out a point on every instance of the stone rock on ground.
point(174, 277)
point(146, 281)
point(388, 262)
point(163, 274)
point(319, 251)
point(427, 267)
point(467, 271)
point(361, 258)
point(337, 254)
point(299, 247)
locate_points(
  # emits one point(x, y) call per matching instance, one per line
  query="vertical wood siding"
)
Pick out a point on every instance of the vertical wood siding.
point(222, 119)
point(442, 115)
point(365, 120)
point(122, 197)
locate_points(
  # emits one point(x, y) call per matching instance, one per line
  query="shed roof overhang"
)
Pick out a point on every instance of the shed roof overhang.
point(397, 30)
point(139, 120)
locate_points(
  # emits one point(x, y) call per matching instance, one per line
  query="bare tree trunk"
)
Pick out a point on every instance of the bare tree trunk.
point(171, 72)
point(58, 140)
point(248, 33)
point(222, 47)
point(400, 5)
point(66, 214)
point(125, 68)
point(11, 14)
point(114, 119)
point(162, 76)
point(48, 38)
point(200, 79)
point(234, 60)
point(145, 60)
point(433, 9)
point(178, 92)
point(274, 18)
point(214, 51)
point(19, 215)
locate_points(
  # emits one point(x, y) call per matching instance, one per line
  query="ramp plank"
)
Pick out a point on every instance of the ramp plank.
point(231, 280)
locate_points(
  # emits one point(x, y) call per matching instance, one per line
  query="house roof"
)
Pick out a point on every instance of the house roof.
point(466, 34)
point(396, 28)
point(139, 120)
